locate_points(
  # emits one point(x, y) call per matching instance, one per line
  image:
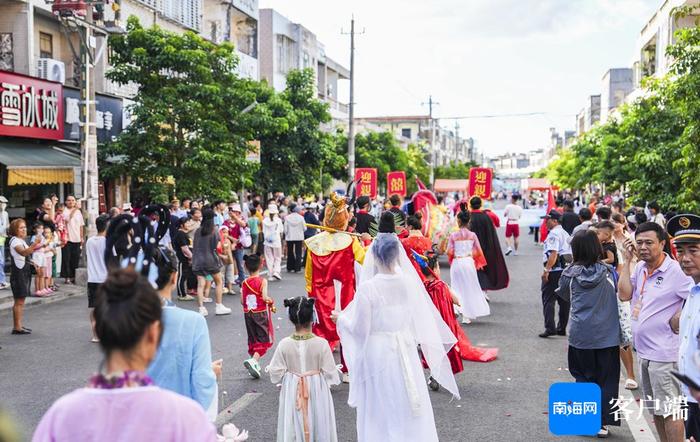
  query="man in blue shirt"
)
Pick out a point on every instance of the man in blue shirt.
point(685, 230)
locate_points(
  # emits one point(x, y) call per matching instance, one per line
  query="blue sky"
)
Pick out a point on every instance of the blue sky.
point(478, 57)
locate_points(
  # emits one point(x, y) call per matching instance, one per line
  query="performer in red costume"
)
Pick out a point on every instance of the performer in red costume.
point(416, 242)
point(444, 298)
point(330, 263)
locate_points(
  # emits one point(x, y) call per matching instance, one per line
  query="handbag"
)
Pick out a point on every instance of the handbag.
point(245, 238)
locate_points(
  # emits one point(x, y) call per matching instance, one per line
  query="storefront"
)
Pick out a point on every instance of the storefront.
point(33, 162)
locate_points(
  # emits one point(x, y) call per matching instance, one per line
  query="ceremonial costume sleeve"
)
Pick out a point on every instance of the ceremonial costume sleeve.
point(203, 378)
point(477, 253)
point(278, 366)
point(308, 271)
point(451, 248)
point(328, 368)
point(357, 250)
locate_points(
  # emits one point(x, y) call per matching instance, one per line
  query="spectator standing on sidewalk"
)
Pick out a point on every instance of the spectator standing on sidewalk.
point(206, 262)
point(21, 272)
point(594, 335)
point(96, 268)
point(685, 231)
point(236, 225)
point(294, 236)
point(74, 239)
point(569, 219)
point(586, 217)
point(657, 288)
point(4, 226)
point(512, 213)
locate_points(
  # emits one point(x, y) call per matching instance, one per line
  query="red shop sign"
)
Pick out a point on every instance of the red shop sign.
point(30, 107)
point(480, 179)
point(366, 179)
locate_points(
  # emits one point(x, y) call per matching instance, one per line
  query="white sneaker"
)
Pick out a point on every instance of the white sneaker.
point(346, 378)
point(271, 278)
point(253, 367)
point(222, 310)
point(509, 251)
point(206, 300)
point(604, 432)
point(466, 320)
point(203, 311)
point(515, 253)
point(277, 276)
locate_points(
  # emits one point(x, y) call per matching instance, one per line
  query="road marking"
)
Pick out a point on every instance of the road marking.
point(229, 412)
point(639, 427)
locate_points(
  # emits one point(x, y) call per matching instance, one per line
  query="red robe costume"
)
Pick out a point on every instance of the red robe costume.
point(420, 245)
point(330, 262)
point(442, 298)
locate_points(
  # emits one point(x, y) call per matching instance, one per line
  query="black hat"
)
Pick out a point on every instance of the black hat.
point(554, 214)
point(684, 228)
point(386, 223)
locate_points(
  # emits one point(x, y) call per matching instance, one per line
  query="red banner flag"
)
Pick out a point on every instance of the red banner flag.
point(396, 183)
point(366, 179)
point(480, 179)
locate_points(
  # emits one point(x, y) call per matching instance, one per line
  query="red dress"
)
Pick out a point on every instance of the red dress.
point(420, 245)
point(257, 316)
point(440, 295)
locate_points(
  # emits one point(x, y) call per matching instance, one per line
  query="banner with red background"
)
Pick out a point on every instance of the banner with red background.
point(396, 183)
point(480, 181)
point(30, 107)
point(366, 178)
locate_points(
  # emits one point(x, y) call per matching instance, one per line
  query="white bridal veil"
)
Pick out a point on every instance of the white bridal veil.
point(429, 329)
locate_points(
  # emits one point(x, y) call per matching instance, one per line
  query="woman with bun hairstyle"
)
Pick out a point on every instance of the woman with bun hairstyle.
point(257, 314)
point(303, 362)
point(466, 257)
point(121, 402)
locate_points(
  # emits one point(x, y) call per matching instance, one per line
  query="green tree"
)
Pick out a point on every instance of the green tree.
point(295, 153)
point(188, 121)
point(455, 170)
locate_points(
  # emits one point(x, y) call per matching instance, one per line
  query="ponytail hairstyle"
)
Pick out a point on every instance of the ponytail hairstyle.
point(166, 263)
point(126, 306)
point(463, 216)
point(301, 310)
point(144, 240)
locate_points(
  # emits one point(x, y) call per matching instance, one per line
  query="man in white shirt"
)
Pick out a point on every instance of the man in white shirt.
point(96, 268)
point(512, 214)
point(4, 225)
point(557, 255)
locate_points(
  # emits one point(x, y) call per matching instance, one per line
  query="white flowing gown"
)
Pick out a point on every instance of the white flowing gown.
point(465, 281)
point(305, 366)
point(380, 331)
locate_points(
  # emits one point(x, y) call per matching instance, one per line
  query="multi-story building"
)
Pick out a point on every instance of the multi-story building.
point(589, 115)
point(285, 45)
point(235, 21)
point(617, 84)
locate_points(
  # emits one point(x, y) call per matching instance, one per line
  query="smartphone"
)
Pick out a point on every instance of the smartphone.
point(685, 379)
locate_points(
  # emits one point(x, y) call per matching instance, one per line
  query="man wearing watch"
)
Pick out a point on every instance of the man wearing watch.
point(557, 254)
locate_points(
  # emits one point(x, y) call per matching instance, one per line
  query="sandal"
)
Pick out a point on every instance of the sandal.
point(20, 332)
point(631, 384)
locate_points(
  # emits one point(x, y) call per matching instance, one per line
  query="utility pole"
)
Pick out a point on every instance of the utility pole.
point(351, 122)
point(431, 103)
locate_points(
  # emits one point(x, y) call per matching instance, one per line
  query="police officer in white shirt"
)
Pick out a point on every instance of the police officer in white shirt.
point(557, 255)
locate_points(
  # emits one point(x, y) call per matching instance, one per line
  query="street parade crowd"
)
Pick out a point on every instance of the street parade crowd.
point(376, 312)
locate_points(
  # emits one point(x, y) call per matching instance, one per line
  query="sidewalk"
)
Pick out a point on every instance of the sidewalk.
point(64, 291)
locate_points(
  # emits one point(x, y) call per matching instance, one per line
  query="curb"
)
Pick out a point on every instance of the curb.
point(34, 301)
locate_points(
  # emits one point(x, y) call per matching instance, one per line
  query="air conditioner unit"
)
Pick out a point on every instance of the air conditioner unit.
point(50, 69)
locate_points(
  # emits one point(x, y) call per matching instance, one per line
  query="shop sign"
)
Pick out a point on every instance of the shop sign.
point(30, 107)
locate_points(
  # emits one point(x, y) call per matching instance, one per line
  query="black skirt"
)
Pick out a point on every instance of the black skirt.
point(20, 279)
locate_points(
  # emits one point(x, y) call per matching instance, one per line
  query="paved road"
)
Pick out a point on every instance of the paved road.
point(502, 400)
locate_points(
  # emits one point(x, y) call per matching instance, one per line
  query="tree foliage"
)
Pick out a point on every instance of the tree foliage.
point(188, 125)
point(653, 147)
point(295, 155)
point(455, 170)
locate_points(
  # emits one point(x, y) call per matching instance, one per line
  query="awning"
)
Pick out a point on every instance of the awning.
point(29, 163)
point(444, 185)
point(539, 184)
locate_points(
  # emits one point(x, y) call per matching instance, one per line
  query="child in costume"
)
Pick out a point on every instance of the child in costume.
point(303, 362)
point(257, 309)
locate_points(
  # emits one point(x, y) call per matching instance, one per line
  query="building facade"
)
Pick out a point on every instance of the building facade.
point(285, 45)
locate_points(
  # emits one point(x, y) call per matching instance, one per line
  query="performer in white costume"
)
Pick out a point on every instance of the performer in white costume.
point(380, 331)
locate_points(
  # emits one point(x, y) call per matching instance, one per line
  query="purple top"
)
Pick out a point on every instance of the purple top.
point(664, 293)
point(124, 414)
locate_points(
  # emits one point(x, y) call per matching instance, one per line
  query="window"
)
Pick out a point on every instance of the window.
point(7, 62)
point(406, 132)
point(45, 45)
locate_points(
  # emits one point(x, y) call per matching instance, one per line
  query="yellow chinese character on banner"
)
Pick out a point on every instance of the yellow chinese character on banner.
point(366, 177)
point(396, 185)
point(481, 177)
point(480, 190)
point(366, 189)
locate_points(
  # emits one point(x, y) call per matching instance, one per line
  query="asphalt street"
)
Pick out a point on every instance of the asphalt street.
point(502, 400)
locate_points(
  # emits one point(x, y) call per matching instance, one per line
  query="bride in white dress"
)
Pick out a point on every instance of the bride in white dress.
point(380, 330)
